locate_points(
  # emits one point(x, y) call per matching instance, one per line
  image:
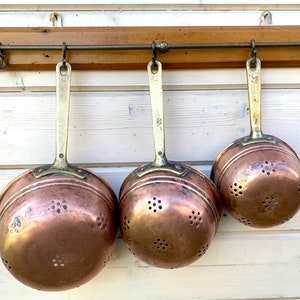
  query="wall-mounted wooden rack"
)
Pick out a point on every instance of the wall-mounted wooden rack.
point(41, 48)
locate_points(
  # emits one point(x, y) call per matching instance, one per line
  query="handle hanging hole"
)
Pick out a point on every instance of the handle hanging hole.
point(63, 70)
point(154, 68)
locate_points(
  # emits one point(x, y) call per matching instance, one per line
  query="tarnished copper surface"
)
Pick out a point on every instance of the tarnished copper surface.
point(57, 232)
point(168, 220)
point(258, 176)
point(169, 212)
point(259, 184)
point(58, 223)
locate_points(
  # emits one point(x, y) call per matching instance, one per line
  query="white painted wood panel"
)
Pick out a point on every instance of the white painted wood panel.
point(150, 5)
point(111, 132)
point(136, 80)
point(116, 127)
point(154, 18)
point(240, 257)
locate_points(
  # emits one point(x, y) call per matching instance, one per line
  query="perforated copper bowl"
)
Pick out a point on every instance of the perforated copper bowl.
point(57, 232)
point(169, 212)
point(258, 176)
point(58, 223)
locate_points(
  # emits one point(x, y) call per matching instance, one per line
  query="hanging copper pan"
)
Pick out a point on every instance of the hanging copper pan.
point(169, 212)
point(57, 223)
point(258, 176)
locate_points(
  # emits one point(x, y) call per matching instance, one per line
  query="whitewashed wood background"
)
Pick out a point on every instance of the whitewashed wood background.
point(111, 132)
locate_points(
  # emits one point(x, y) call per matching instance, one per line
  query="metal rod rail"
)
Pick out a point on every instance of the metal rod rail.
point(162, 46)
point(233, 45)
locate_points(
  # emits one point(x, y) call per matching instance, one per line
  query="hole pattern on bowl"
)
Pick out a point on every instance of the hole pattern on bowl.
point(269, 203)
point(195, 218)
point(299, 188)
point(155, 204)
point(236, 189)
point(125, 223)
point(59, 205)
point(6, 264)
point(15, 225)
point(286, 219)
point(106, 260)
point(59, 261)
point(102, 220)
point(267, 168)
point(131, 251)
point(161, 244)
point(244, 221)
point(203, 250)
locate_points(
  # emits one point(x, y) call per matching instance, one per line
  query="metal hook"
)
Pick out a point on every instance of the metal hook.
point(253, 53)
point(3, 60)
point(154, 51)
point(55, 19)
point(64, 55)
point(265, 18)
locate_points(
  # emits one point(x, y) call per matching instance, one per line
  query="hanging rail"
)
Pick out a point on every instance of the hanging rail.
point(163, 46)
point(130, 47)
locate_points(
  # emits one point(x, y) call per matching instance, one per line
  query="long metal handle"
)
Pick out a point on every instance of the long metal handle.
point(254, 95)
point(60, 165)
point(63, 79)
point(156, 95)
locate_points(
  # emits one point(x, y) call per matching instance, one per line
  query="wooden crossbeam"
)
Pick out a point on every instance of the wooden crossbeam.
point(277, 56)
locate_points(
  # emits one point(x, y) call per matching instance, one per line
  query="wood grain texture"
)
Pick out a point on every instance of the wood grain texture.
point(111, 133)
point(135, 59)
point(115, 127)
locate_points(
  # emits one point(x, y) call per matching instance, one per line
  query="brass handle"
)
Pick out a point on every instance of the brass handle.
point(254, 98)
point(156, 95)
point(254, 95)
point(63, 78)
point(60, 165)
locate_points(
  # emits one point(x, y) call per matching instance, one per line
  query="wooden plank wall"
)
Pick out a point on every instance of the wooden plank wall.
point(111, 132)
